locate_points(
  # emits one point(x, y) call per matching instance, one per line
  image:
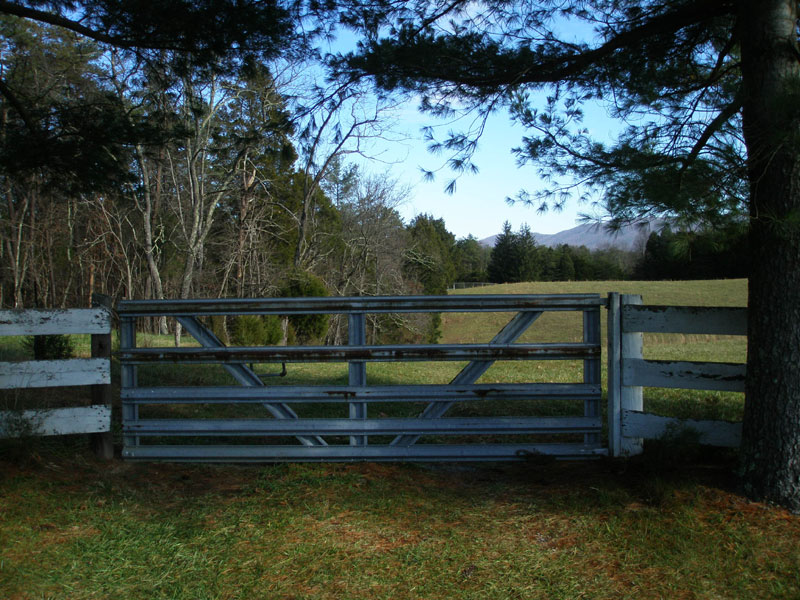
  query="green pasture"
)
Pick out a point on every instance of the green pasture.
point(669, 524)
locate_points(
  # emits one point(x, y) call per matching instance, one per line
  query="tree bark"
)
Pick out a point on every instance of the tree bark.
point(148, 215)
point(770, 451)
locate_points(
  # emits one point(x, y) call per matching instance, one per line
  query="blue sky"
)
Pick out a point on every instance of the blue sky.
point(478, 205)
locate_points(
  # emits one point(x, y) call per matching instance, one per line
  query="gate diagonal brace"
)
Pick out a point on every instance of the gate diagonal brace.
point(473, 371)
point(244, 375)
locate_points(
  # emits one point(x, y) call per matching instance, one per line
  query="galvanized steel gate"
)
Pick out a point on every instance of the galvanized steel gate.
point(348, 439)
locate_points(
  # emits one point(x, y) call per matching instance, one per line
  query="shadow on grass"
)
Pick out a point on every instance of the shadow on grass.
point(524, 530)
point(678, 463)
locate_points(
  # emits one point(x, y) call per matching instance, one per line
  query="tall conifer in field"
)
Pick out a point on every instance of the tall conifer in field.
point(502, 255)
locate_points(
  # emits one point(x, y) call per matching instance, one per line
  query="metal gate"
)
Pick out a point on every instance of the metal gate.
point(156, 425)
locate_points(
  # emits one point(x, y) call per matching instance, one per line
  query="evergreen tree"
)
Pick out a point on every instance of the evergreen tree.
point(515, 257)
point(528, 264)
point(430, 261)
point(584, 267)
point(711, 254)
point(80, 139)
point(61, 125)
point(430, 258)
point(471, 260)
point(565, 267)
point(501, 261)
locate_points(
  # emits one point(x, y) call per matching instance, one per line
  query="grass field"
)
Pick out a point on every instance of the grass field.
point(666, 525)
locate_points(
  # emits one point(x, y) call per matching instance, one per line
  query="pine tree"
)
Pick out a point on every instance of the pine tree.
point(565, 268)
point(501, 261)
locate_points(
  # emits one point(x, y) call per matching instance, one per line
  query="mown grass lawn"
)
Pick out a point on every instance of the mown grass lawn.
point(71, 527)
point(666, 525)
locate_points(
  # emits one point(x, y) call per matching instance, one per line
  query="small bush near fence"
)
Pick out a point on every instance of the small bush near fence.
point(50, 347)
point(256, 330)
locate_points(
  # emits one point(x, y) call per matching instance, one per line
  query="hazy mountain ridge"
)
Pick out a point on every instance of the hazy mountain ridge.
point(594, 236)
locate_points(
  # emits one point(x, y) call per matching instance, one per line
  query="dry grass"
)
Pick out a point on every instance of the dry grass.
point(74, 528)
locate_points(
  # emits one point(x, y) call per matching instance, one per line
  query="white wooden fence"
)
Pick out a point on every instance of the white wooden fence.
point(628, 372)
point(95, 372)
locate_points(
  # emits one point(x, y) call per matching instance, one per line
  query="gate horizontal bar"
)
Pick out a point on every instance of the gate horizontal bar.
point(386, 426)
point(291, 354)
point(359, 304)
point(417, 452)
point(346, 394)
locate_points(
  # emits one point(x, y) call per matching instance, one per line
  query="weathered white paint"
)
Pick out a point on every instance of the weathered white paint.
point(713, 433)
point(58, 421)
point(614, 375)
point(55, 373)
point(726, 377)
point(50, 322)
point(685, 319)
point(631, 396)
point(625, 384)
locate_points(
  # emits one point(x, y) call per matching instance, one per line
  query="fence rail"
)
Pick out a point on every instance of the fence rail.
point(628, 371)
point(95, 372)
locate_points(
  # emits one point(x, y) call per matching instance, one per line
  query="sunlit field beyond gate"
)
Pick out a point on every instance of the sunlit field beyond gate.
point(666, 525)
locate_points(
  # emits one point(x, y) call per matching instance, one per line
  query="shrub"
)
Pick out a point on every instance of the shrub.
point(255, 330)
point(433, 332)
point(272, 328)
point(219, 328)
point(50, 347)
point(301, 284)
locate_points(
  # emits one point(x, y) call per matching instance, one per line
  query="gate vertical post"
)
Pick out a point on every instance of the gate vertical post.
point(357, 336)
point(614, 373)
point(130, 411)
point(631, 397)
point(103, 442)
point(591, 367)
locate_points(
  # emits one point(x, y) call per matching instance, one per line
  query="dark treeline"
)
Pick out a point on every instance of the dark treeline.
point(717, 254)
point(713, 254)
point(517, 257)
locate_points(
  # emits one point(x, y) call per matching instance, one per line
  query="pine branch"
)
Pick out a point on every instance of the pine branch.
point(12, 8)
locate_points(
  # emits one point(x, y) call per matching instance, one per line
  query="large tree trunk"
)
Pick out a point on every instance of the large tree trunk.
point(770, 451)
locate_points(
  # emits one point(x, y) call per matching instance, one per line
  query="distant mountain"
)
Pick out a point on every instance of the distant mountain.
point(594, 237)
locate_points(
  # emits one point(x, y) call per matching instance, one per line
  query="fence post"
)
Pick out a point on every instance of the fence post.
point(130, 411)
point(591, 367)
point(631, 397)
point(357, 336)
point(102, 443)
point(614, 380)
